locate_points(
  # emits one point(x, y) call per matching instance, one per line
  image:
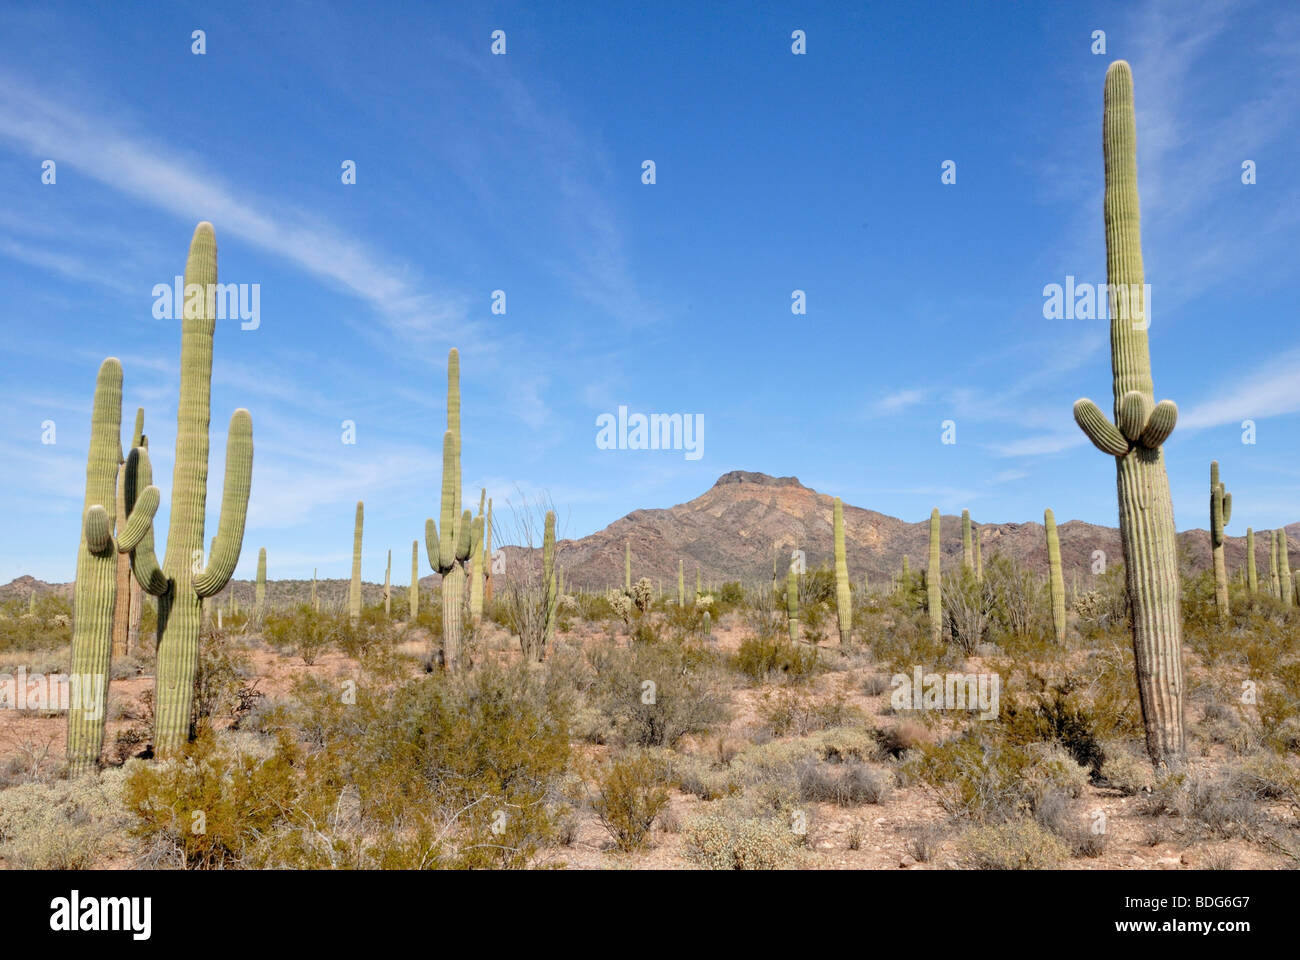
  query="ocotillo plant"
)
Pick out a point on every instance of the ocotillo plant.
point(1284, 566)
point(550, 585)
point(259, 594)
point(843, 597)
point(1135, 438)
point(967, 548)
point(182, 582)
point(1274, 582)
point(451, 546)
point(354, 590)
point(388, 586)
point(627, 567)
point(933, 574)
point(1252, 578)
point(125, 595)
point(1056, 582)
point(792, 602)
point(414, 597)
point(476, 565)
point(95, 593)
point(1220, 512)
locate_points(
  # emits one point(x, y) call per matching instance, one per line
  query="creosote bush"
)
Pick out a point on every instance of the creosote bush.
point(629, 795)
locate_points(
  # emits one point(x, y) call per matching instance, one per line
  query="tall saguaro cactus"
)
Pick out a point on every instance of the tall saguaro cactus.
point(967, 548)
point(1220, 512)
point(413, 603)
point(182, 583)
point(354, 589)
point(487, 555)
point(843, 596)
point(979, 560)
point(126, 609)
point(1135, 439)
point(451, 546)
point(1284, 567)
point(1274, 581)
point(259, 593)
point(95, 594)
point(933, 574)
point(1252, 578)
point(388, 587)
point(1056, 581)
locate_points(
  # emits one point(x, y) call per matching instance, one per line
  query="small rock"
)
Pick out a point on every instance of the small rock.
point(907, 861)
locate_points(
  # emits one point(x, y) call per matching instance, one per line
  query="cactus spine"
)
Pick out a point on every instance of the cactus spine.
point(933, 574)
point(259, 595)
point(1220, 513)
point(476, 565)
point(182, 583)
point(792, 601)
point(1056, 580)
point(843, 597)
point(1134, 439)
point(451, 546)
point(550, 584)
point(967, 548)
point(354, 590)
point(1284, 567)
point(388, 586)
point(413, 603)
point(1252, 578)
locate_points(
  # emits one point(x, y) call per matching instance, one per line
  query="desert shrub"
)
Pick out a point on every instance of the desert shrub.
point(984, 778)
point(306, 631)
point(223, 692)
point(1056, 715)
point(1125, 769)
point(1019, 844)
point(846, 784)
point(47, 627)
point(1266, 777)
point(909, 642)
point(1210, 808)
point(797, 711)
point(968, 608)
point(719, 842)
point(62, 825)
point(629, 796)
point(759, 659)
point(652, 695)
point(1019, 605)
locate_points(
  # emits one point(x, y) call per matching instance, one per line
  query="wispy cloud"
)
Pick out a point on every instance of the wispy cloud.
point(1269, 390)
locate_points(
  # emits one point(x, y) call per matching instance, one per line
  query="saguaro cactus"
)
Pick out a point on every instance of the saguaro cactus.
point(1220, 512)
point(550, 584)
point(967, 548)
point(681, 584)
point(388, 587)
point(1134, 439)
point(259, 594)
point(477, 562)
point(129, 596)
point(1055, 578)
point(1274, 581)
point(315, 601)
point(1252, 578)
point(413, 603)
point(182, 582)
point(933, 574)
point(354, 589)
point(979, 560)
point(1284, 567)
point(627, 567)
point(843, 596)
point(487, 555)
point(449, 548)
point(95, 594)
point(792, 601)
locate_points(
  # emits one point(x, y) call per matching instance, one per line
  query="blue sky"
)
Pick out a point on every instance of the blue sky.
point(522, 172)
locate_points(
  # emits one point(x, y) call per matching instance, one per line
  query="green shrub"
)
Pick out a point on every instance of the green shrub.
point(1020, 844)
point(718, 842)
point(629, 795)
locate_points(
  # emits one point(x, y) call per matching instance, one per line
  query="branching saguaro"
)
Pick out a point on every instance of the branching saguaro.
point(1135, 439)
point(843, 595)
point(183, 582)
point(1220, 512)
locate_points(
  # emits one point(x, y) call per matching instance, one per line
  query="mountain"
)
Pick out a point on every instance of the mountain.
point(732, 532)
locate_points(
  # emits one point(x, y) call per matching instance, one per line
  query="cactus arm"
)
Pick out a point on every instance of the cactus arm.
point(234, 507)
point(1105, 436)
point(1164, 415)
point(1227, 508)
point(448, 512)
point(144, 562)
point(464, 536)
point(99, 529)
point(140, 522)
point(431, 543)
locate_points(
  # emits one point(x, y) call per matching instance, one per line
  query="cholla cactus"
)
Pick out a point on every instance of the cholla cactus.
point(703, 601)
point(1135, 439)
point(1220, 513)
point(622, 605)
point(643, 594)
point(183, 582)
point(843, 597)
